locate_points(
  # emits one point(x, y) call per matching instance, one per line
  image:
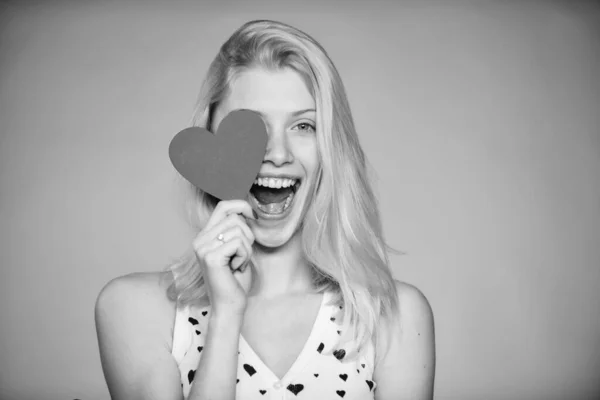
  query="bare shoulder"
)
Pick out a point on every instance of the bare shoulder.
point(415, 310)
point(138, 283)
point(414, 318)
point(134, 323)
point(407, 369)
point(141, 294)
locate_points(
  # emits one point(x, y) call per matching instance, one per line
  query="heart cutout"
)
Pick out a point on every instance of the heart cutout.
point(224, 164)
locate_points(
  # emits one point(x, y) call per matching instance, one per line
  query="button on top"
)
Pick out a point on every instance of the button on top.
point(277, 385)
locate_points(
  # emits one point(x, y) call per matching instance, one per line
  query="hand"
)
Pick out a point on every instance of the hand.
point(227, 275)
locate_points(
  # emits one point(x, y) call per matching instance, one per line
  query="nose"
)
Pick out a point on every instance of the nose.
point(278, 149)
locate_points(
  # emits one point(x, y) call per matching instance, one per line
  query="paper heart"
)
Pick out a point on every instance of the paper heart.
point(224, 164)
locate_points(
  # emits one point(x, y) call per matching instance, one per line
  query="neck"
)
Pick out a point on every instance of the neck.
point(281, 271)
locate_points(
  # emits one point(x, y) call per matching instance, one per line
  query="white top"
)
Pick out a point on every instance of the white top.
point(312, 376)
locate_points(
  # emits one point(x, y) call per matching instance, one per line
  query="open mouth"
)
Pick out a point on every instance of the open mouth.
point(273, 196)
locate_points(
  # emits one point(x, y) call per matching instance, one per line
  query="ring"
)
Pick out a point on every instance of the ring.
point(220, 238)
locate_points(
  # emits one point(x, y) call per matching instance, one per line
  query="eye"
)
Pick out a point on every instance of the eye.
point(305, 126)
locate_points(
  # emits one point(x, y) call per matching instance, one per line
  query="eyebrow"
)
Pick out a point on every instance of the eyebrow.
point(294, 114)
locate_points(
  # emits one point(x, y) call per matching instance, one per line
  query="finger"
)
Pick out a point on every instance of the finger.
point(234, 233)
point(241, 262)
point(203, 249)
point(233, 220)
point(206, 237)
point(229, 253)
point(241, 222)
point(244, 276)
point(243, 253)
point(227, 207)
point(237, 232)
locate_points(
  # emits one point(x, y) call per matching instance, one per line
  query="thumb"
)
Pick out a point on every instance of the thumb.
point(245, 275)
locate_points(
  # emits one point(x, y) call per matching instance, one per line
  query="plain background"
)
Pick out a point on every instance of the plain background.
point(480, 119)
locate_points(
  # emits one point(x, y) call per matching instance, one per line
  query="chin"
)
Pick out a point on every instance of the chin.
point(272, 240)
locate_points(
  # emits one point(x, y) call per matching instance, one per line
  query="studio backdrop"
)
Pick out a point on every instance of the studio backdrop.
point(480, 121)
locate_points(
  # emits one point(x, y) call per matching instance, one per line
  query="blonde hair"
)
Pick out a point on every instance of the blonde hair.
point(342, 235)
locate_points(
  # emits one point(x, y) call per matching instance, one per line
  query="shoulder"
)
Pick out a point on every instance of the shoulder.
point(137, 298)
point(147, 286)
point(414, 308)
point(407, 368)
point(139, 281)
point(414, 317)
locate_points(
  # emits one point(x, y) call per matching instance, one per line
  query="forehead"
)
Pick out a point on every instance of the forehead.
point(270, 92)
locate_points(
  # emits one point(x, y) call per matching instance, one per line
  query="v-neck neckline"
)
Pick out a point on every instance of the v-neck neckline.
point(302, 358)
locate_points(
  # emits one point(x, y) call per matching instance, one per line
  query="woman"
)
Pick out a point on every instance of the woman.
point(285, 294)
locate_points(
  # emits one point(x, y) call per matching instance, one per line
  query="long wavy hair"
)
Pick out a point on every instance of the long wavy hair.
point(342, 236)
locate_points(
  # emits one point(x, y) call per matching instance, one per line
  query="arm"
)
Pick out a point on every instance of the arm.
point(134, 340)
point(407, 370)
point(134, 318)
point(135, 345)
point(217, 371)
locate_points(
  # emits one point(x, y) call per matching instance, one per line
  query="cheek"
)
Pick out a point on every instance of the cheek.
point(314, 160)
point(308, 154)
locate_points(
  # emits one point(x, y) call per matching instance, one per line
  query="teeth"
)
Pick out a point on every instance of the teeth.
point(288, 201)
point(275, 182)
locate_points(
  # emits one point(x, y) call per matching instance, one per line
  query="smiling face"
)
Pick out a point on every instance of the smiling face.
point(290, 165)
